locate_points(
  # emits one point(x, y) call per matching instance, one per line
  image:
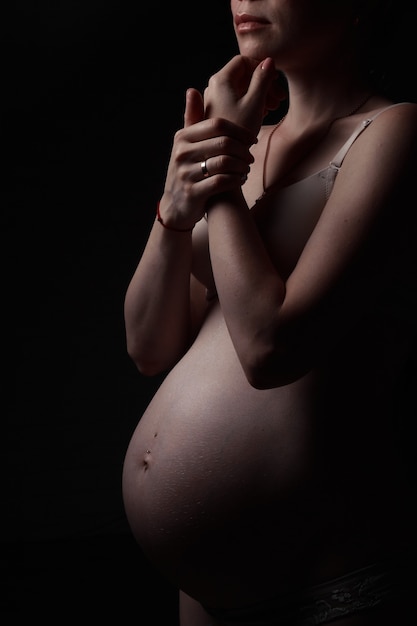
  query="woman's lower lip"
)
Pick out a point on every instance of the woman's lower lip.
point(246, 27)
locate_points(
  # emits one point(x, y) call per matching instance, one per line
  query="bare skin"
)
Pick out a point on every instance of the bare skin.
point(270, 445)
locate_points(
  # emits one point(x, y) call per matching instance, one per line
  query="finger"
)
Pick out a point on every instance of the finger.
point(194, 107)
point(237, 74)
point(263, 78)
point(220, 168)
point(238, 65)
point(227, 148)
point(223, 165)
point(219, 183)
point(223, 131)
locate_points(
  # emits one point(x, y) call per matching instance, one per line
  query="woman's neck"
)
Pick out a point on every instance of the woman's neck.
point(326, 92)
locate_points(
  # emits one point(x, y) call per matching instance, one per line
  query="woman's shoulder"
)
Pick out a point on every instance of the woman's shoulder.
point(394, 120)
point(391, 128)
point(394, 115)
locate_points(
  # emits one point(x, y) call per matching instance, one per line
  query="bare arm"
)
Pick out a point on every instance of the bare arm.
point(362, 241)
point(279, 329)
point(164, 304)
point(157, 303)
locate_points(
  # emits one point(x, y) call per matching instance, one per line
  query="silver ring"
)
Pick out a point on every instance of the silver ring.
point(204, 169)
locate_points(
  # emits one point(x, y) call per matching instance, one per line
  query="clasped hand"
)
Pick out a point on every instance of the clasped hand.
point(211, 153)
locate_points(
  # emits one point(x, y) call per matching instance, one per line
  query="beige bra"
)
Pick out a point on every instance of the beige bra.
point(293, 210)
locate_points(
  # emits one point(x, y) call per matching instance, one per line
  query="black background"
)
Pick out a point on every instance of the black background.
point(91, 93)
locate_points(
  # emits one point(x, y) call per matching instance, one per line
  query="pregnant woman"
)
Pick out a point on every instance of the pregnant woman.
point(267, 478)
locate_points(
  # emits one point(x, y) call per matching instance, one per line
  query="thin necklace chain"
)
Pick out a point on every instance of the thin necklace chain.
point(268, 144)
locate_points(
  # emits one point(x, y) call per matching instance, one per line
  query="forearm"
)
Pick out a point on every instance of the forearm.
point(157, 302)
point(250, 290)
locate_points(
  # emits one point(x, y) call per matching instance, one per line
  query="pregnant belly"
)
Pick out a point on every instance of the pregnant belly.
point(213, 461)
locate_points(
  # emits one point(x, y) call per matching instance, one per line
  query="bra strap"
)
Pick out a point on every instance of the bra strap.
point(338, 159)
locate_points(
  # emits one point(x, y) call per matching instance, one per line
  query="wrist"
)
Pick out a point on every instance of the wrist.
point(167, 226)
point(233, 199)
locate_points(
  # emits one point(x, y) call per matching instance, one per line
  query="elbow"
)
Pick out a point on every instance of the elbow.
point(272, 368)
point(148, 369)
point(147, 366)
point(262, 379)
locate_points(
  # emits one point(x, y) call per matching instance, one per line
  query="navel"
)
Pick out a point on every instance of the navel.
point(147, 455)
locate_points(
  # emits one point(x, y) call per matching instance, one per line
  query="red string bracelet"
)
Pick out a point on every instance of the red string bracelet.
point(178, 230)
